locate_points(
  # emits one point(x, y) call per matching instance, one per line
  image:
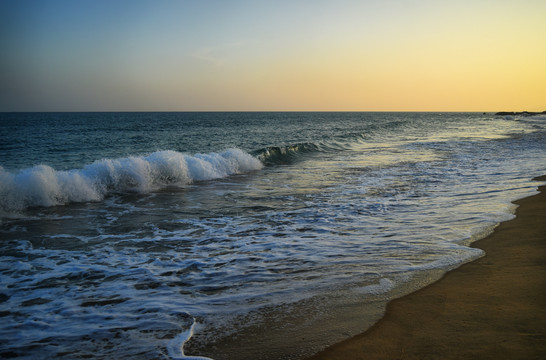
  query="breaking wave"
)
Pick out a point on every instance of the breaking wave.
point(289, 154)
point(44, 186)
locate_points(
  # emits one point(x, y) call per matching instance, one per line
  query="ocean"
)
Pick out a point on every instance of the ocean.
point(263, 235)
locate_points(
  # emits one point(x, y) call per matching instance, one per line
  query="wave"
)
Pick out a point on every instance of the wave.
point(282, 155)
point(44, 186)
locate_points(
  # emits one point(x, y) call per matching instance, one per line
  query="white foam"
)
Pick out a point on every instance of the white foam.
point(384, 286)
point(44, 186)
point(176, 346)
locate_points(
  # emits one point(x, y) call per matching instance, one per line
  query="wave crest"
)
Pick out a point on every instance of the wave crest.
point(280, 155)
point(44, 186)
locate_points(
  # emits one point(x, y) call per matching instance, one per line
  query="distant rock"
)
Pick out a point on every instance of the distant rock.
point(523, 113)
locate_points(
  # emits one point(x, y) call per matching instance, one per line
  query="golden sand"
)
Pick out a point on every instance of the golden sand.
point(492, 308)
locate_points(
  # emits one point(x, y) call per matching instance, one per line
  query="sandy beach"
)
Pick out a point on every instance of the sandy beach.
point(492, 308)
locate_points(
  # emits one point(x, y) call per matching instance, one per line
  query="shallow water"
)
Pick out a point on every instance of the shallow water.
point(126, 233)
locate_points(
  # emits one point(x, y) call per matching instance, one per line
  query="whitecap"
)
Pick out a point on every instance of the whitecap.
point(42, 185)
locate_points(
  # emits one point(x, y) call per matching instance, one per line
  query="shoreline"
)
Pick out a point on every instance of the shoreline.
point(491, 308)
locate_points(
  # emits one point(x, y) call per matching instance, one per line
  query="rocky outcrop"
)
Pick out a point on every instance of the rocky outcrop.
point(523, 113)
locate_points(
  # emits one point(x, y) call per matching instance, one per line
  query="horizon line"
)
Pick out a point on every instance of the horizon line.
point(268, 111)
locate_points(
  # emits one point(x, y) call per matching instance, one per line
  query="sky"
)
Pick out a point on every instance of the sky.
point(282, 55)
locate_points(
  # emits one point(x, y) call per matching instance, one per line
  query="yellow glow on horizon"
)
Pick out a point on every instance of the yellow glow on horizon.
point(446, 71)
point(399, 81)
point(479, 64)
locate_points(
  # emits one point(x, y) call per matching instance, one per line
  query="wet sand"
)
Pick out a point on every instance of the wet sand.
point(492, 308)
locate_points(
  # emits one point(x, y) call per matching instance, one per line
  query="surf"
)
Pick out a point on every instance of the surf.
point(44, 186)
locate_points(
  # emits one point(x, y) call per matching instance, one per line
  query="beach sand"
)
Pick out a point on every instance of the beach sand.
point(492, 308)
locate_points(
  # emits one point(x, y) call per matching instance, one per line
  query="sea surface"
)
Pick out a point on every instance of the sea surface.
point(266, 235)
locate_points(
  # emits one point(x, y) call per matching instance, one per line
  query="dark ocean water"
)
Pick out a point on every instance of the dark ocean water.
point(269, 235)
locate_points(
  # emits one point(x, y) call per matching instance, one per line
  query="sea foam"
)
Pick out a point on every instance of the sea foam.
point(176, 346)
point(42, 185)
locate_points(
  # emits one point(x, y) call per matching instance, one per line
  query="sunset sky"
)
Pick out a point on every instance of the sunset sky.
point(343, 55)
